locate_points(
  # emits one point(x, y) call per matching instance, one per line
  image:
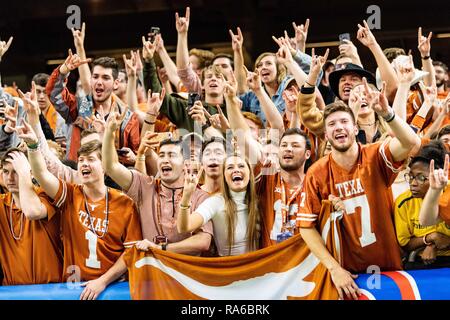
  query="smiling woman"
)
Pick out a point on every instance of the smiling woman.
point(235, 206)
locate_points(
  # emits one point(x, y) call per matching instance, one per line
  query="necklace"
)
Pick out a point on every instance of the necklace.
point(11, 222)
point(91, 226)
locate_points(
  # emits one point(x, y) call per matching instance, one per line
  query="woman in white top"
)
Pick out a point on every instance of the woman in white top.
point(234, 212)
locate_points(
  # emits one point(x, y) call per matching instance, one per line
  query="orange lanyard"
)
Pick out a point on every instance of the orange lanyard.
point(286, 204)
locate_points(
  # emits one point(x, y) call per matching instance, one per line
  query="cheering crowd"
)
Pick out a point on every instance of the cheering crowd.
point(206, 156)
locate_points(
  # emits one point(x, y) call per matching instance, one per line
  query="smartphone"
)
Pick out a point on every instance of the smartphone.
point(161, 137)
point(192, 97)
point(122, 152)
point(153, 32)
point(344, 36)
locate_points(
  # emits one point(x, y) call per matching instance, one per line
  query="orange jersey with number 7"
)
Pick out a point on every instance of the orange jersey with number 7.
point(93, 240)
point(368, 233)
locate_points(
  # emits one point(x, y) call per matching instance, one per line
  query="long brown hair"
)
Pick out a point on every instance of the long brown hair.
point(251, 200)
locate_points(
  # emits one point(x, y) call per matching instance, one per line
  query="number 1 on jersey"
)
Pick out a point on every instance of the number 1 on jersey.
point(92, 261)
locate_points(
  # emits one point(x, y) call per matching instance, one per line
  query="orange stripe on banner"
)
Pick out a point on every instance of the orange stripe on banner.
point(403, 283)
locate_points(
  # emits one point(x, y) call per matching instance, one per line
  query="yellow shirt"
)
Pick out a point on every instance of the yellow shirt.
point(407, 223)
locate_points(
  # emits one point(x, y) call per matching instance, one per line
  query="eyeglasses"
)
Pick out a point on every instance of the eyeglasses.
point(420, 179)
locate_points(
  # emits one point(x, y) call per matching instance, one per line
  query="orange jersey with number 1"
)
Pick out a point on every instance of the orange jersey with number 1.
point(86, 251)
point(367, 227)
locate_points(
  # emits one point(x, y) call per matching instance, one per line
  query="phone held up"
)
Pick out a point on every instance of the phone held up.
point(192, 97)
point(153, 32)
point(344, 36)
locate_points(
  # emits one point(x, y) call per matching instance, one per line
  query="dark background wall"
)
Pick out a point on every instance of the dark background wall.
point(116, 26)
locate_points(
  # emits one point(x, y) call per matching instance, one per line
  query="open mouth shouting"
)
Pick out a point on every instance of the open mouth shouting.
point(340, 137)
point(85, 172)
point(99, 92)
point(265, 73)
point(166, 170)
point(213, 166)
point(346, 89)
point(237, 178)
point(288, 157)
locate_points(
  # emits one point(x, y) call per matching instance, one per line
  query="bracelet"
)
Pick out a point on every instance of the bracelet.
point(425, 58)
point(425, 241)
point(152, 114)
point(149, 122)
point(390, 117)
point(140, 158)
point(164, 246)
point(33, 146)
point(184, 207)
point(309, 84)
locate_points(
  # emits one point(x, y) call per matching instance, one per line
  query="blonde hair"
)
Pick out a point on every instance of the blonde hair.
point(251, 200)
point(281, 69)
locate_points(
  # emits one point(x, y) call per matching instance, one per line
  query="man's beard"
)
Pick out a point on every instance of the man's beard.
point(107, 95)
point(440, 83)
point(292, 167)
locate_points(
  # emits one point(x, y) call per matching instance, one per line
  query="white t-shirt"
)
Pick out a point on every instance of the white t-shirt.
point(213, 209)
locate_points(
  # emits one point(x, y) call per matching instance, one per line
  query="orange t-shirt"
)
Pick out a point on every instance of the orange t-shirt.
point(367, 227)
point(94, 237)
point(271, 203)
point(36, 257)
point(52, 117)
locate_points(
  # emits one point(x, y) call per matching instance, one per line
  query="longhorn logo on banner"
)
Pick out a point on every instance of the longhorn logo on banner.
point(285, 271)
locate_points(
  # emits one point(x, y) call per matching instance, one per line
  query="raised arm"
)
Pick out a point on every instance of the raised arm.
point(48, 182)
point(271, 112)
point(150, 76)
point(83, 69)
point(424, 46)
point(54, 165)
point(7, 130)
point(387, 72)
point(131, 95)
point(284, 56)
point(301, 34)
point(110, 161)
point(146, 156)
point(238, 124)
point(442, 112)
point(29, 201)
point(64, 101)
point(182, 26)
point(307, 110)
point(237, 42)
point(429, 211)
point(405, 74)
point(4, 46)
point(169, 65)
point(348, 49)
point(405, 138)
point(429, 100)
point(187, 222)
